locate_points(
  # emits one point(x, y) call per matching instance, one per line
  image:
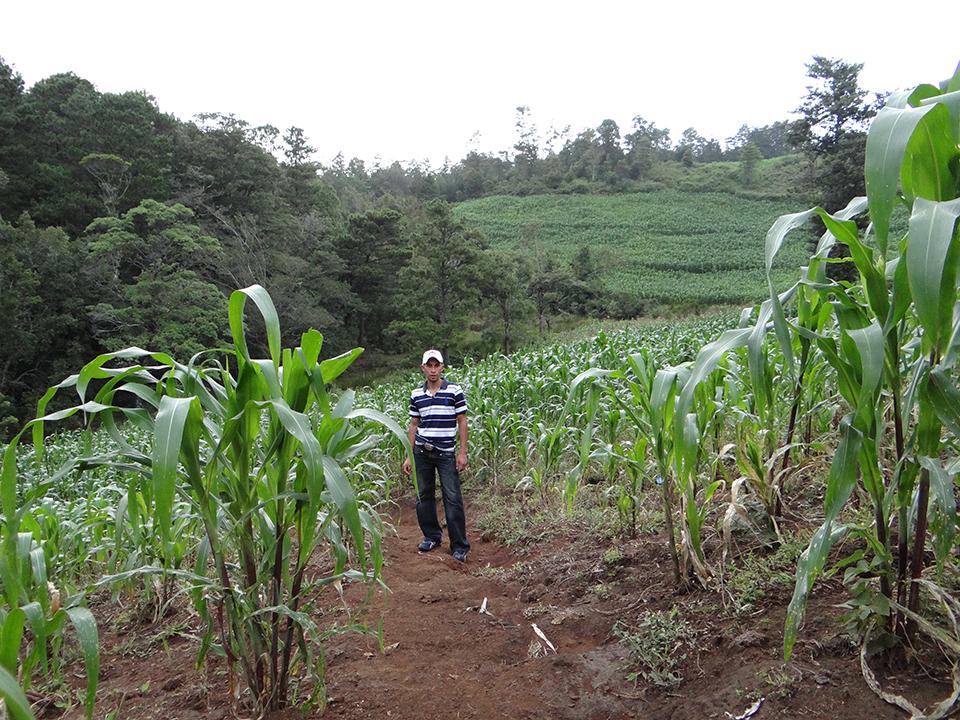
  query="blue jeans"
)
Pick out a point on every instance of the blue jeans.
point(428, 464)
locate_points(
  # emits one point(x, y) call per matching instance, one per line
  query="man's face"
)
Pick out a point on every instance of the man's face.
point(432, 369)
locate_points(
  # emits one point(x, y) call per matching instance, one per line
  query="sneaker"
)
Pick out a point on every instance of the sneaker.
point(460, 555)
point(427, 545)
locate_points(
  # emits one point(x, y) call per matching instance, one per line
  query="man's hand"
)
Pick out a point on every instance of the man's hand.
point(406, 466)
point(461, 461)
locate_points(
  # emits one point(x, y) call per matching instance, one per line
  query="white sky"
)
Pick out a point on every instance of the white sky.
point(417, 79)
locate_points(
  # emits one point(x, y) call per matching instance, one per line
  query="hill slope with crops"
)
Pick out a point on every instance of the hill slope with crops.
point(663, 246)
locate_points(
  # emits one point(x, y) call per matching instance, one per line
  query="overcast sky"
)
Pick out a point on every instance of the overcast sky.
point(429, 80)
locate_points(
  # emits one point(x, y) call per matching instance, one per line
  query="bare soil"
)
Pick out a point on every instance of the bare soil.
point(439, 657)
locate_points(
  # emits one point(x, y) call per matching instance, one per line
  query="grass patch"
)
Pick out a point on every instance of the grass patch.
point(511, 521)
point(143, 646)
point(757, 574)
point(603, 591)
point(613, 557)
point(781, 681)
point(504, 520)
point(657, 646)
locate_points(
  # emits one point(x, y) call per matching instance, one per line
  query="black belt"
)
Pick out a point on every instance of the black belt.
point(430, 447)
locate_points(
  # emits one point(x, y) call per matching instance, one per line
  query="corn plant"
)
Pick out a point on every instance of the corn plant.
point(259, 453)
point(899, 321)
point(548, 445)
point(32, 597)
point(631, 455)
point(585, 430)
point(12, 698)
point(648, 404)
point(694, 415)
point(611, 433)
point(493, 431)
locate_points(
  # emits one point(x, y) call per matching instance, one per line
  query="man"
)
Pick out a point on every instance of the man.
point(438, 418)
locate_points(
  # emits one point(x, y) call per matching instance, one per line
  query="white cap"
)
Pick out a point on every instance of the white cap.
point(432, 355)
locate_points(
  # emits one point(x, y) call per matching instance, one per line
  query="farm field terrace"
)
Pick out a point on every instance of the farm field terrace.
point(665, 246)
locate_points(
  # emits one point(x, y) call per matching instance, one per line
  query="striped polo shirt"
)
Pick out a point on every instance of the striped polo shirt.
point(438, 414)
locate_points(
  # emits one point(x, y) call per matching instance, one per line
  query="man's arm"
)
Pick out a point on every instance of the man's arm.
point(462, 432)
point(412, 436)
point(412, 430)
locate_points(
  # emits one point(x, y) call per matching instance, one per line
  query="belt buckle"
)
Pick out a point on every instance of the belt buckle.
point(428, 447)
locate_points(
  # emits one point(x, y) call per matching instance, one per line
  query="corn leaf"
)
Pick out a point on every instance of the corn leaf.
point(706, 362)
point(332, 368)
point(776, 236)
point(11, 638)
point(950, 100)
point(886, 145)
point(260, 297)
point(932, 268)
point(929, 157)
point(38, 624)
point(840, 484)
point(88, 637)
point(943, 505)
point(945, 398)
point(171, 418)
point(869, 344)
point(345, 499)
point(13, 695)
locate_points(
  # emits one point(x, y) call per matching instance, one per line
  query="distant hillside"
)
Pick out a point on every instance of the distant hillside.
point(666, 245)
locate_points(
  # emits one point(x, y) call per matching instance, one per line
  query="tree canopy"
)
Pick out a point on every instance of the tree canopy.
point(120, 224)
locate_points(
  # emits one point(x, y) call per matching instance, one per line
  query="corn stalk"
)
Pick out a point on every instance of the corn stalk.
point(257, 449)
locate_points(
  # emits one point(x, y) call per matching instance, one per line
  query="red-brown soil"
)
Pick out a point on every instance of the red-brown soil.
point(444, 659)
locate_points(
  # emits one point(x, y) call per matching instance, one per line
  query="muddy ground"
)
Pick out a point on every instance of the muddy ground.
point(438, 656)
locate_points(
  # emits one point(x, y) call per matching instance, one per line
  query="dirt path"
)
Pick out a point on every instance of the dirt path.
point(448, 660)
point(444, 659)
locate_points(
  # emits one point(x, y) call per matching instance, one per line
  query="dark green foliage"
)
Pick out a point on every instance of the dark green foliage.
point(47, 285)
point(771, 140)
point(150, 235)
point(11, 96)
point(112, 174)
point(526, 147)
point(222, 169)
point(165, 308)
point(749, 164)
point(151, 294)
point(376, 250)
point(834, 106)
point(503, 288)
point(441, 282)
point(831, 131)
point(59, 122)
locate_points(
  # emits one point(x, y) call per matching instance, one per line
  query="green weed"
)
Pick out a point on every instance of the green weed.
point(657, 646)
point(758, 574)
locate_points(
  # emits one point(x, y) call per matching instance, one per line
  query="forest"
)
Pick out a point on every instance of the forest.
point(121, 225)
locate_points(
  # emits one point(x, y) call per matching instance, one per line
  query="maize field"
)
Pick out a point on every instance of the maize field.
point(222, 480)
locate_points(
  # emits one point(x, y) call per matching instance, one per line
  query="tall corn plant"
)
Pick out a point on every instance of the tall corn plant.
point(647, 396)
point(693, 414)
point(258, 449)
point(899, 322)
